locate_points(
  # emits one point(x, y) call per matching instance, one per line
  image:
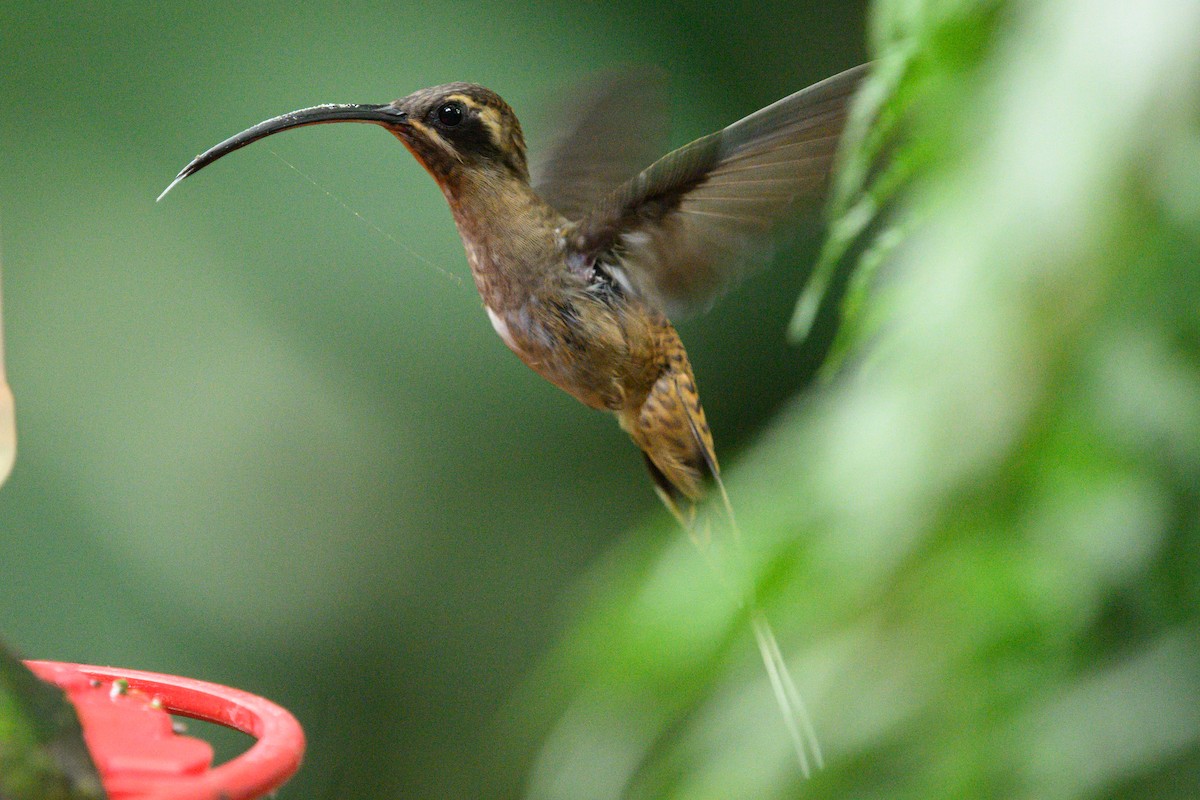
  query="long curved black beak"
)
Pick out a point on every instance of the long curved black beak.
point(385, 114)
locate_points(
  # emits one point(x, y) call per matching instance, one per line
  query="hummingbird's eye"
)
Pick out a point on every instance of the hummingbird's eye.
point(450, 114)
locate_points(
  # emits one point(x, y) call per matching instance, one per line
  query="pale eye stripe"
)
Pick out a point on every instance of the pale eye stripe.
point(492, 121)
point(466, 101)
point(436, 138)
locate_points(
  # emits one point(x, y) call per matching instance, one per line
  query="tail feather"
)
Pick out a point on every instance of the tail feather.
point(684, 507)
point(669, 427)
point(795, 713)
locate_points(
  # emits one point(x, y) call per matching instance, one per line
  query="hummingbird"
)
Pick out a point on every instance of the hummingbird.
point(582, 265)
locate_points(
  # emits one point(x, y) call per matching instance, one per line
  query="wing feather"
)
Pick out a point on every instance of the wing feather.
point(608, 131)
point(688, 225)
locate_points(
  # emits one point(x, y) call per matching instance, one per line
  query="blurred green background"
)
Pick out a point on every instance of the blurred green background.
point(266, 440)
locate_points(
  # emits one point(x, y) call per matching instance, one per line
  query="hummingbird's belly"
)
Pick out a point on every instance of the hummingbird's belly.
point(624, 358)
point(501, 327)
point(582, 348)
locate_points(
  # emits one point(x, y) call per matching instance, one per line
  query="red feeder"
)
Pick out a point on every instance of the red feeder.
point(139, 757)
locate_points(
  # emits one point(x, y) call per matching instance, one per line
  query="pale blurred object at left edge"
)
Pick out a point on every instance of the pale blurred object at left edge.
point(8, 422)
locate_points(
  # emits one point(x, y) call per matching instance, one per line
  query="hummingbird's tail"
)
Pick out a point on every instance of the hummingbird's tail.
point(795, 713)
point(683, 500)
point(669, 428)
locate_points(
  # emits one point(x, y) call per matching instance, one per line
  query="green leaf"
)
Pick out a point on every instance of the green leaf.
point(42, 752)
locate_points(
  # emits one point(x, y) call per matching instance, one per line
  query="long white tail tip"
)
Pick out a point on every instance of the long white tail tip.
point(795, 714)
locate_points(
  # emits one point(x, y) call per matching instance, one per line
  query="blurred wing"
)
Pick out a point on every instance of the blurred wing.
point(683, 229)
point(608, 132)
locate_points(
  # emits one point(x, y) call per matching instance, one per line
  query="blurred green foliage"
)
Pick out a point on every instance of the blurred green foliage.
point(265, 444)
point(981, 538)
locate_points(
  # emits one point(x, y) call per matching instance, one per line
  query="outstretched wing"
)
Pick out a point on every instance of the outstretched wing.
point(682, 229)
point(607, 132)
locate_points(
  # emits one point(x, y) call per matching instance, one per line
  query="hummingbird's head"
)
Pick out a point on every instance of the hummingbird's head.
point(461, 127)
point(454, 130)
